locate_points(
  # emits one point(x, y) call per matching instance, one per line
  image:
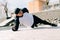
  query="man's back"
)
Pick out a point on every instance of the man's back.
point(27, 19)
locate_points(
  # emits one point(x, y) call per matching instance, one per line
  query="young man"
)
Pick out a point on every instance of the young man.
point(28, 19)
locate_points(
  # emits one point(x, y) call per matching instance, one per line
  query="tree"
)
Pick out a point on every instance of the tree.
point(5, 9)
point(47, 2)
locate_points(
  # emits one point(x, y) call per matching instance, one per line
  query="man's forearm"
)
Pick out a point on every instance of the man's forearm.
point(17, 23)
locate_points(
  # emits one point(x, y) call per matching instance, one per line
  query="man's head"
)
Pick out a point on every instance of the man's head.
point(25, 10)
point(18, 12)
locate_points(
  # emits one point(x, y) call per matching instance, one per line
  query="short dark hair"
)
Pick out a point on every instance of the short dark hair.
point(25, 10)
point(17, 10)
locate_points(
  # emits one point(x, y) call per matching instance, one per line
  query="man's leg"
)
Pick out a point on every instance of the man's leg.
point(47, 23)
point(38, 20)
point(35, 22)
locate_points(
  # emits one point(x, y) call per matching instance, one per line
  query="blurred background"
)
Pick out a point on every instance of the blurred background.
point(48, 10)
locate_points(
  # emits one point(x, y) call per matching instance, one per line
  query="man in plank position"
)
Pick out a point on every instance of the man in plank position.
point(23, 16)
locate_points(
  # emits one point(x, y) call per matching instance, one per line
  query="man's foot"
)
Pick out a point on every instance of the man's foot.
point(35, 25)
point(54, 25)
point(14, 29)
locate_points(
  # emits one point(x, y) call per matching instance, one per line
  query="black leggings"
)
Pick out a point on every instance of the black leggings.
point(38, 20)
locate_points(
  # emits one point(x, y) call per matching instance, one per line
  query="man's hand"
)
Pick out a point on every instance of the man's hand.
point(14, 29)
